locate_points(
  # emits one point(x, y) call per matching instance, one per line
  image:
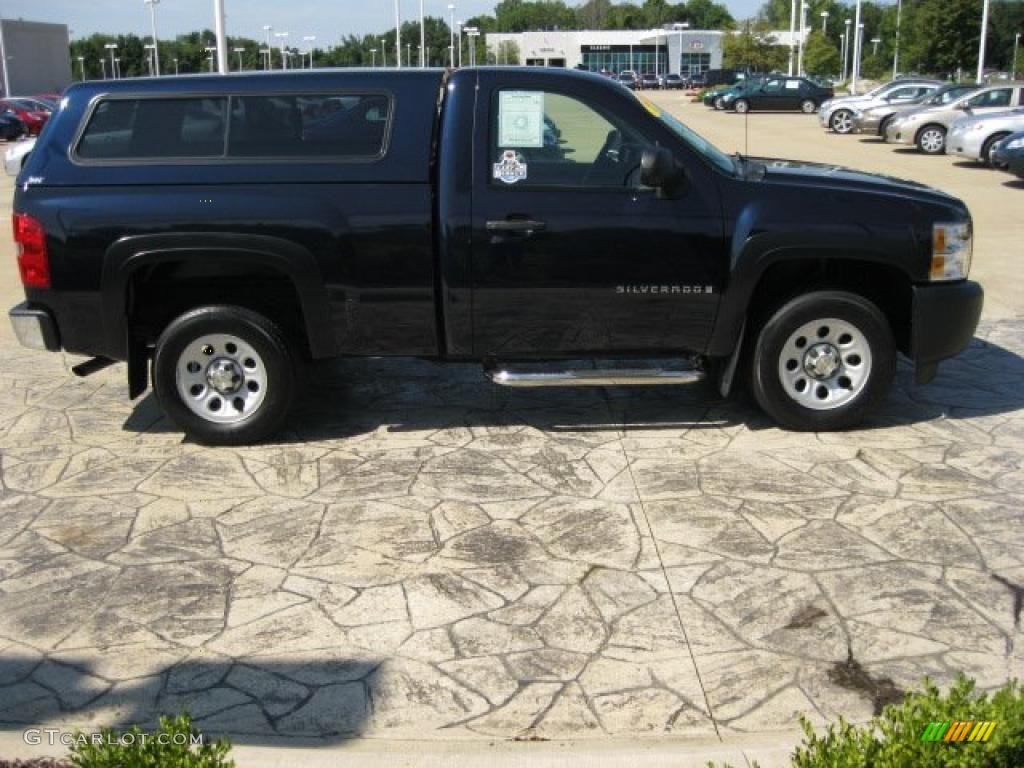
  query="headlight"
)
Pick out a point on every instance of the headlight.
point(951, 251)
point(1015, 144)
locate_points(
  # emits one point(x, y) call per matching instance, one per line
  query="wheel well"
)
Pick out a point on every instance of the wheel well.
point(886, 287)
point(161, 292)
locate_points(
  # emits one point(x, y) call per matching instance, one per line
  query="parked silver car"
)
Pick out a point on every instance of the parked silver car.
point(976, 136)
point(874, 120)
point(837, 114)
point(926, 127)
point(16, 154)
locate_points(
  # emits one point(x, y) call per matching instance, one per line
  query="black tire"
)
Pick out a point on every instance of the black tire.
point(927, 145)
point(742, 106)
point(883, 126)
point(253, 329)
point(988, 146)
point(766, 379)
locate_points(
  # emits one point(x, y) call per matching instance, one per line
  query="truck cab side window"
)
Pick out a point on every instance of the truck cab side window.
point(547, 139)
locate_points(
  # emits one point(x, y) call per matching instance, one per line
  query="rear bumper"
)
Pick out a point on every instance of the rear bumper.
point(35, 328)
point(945, 318)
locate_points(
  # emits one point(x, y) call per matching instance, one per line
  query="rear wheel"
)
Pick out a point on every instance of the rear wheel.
point(842, 121)
point(989, 147)
point(742, 106)
point(808, 107)
point(823, 361)
point(932, 140)
point(224, 374)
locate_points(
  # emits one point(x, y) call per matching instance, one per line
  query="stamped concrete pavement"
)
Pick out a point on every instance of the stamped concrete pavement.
point(423, 556)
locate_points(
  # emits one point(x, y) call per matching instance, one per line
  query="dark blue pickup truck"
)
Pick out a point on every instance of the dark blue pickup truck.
point(214, 232)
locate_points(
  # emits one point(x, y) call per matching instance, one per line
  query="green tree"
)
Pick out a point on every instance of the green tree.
point(754, 48)
point(821, 55)
point(707, 14)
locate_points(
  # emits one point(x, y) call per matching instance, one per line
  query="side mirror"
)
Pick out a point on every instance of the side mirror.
point(658, 169)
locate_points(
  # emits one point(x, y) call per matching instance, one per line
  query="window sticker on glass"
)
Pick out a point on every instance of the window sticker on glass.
point(521, 119)
point(510, 168)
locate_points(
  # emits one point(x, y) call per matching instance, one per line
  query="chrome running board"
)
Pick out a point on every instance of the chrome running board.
point(588, 377)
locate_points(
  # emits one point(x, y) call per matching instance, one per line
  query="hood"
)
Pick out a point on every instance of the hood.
point(848, 179)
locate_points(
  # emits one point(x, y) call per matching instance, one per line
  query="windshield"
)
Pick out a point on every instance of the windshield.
point(692, 139)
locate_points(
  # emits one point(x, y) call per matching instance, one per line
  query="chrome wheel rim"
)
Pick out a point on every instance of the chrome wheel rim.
point(221, 378)
point(842, 122)
point(741, 106)
point(931, 140)
point(808, 107)
point(825, 364)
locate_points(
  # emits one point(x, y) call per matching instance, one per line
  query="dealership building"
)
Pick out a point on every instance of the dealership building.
point(683, 51)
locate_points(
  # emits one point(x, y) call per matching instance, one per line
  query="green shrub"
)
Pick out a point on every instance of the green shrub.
point(169, 747)
point(893, 739)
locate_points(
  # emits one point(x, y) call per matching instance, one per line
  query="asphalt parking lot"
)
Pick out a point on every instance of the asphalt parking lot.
point(424, 556)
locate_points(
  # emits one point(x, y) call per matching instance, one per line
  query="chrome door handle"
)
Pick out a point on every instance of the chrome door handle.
point(527, 226)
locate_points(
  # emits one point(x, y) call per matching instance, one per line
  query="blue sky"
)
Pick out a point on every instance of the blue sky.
point(327, 19)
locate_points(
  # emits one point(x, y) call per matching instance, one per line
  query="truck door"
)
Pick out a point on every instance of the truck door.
point(570, 254)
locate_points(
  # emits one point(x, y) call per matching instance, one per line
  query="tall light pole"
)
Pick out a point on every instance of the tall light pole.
point(458, 37)
point(81, 65)
point(103, 66)
point(792, 37)
point(117, 68)
point(152, 25)
point(408, 54)
point(284, 56)
point(856, 50)
point(875, 41)
point(451, 34)
point(981, 43)
point(896, 52)
point(846, 50)
point(824, 22)
point(803, 35)
point(373, 55)
point(175, 65)
point(239, 51)
point(398, 34)
point(309, 40)
point(149, 48)
point(423, 38)
point(383, 53)
point(270, 56)
point(471, 33)
point(110, 47)
point(219, 33)
point(679, 27)
point(212, 50)
point(1016, 48)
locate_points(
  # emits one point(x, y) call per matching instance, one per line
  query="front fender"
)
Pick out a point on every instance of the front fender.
point(756, 253)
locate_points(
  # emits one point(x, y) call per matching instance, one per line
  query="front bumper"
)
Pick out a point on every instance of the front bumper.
point(958, 143)
point(902, 134)
point(35, 328)
point(945, 318)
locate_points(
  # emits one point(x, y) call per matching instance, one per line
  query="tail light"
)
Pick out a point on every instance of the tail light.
point(33, 259)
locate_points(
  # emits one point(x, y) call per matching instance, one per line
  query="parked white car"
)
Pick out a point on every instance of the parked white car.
point(16, 154)
point(975, 136)
point(838, 113)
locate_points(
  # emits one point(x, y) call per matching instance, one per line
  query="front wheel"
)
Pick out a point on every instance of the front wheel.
point(719, 103)
point(742, 106)
point(842, 121)
point(823, 361)
point(808, 107)
point(988, 150)
point(932, 140)
point(224, 374)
